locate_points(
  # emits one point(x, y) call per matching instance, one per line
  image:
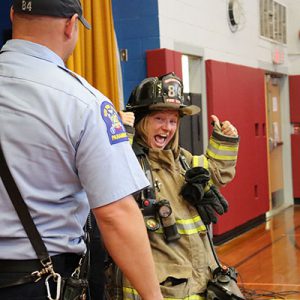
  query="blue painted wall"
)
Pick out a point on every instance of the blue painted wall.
point(137, 30)
point(5, 25)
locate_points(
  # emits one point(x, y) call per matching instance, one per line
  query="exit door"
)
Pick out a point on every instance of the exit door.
point(274, 135)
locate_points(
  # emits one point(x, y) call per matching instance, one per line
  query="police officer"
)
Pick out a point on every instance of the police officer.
point(176, 227)
point(68, 152)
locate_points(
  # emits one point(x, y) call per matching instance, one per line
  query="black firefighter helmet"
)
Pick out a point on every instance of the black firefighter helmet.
point(159, 93)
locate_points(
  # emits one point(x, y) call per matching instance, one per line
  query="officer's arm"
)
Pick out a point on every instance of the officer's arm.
point(125, 237)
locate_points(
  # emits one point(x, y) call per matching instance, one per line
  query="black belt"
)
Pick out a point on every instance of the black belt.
point(29, 265)
point(60, 262)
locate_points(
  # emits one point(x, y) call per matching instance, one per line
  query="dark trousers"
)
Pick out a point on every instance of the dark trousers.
point(98, 253)
point(64, 264)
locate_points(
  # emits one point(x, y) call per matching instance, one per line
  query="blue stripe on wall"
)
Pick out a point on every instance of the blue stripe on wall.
point(137, 29)
point(5, 25)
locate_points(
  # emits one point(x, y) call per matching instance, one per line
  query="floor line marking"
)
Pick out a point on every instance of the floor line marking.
point(276, 284)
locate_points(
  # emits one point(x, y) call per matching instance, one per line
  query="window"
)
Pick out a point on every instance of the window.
point(273, 21)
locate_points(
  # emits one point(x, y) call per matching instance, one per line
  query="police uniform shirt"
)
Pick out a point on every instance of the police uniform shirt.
point(65, 146)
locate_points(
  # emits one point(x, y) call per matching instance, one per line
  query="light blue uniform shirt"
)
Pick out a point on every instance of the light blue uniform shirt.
point(65, 146)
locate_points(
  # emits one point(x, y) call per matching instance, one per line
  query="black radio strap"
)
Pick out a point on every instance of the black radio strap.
point(32, 232)
point(22, 210)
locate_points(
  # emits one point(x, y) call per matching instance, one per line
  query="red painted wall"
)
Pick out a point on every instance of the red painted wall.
point(236, 93)
point(294, 82)
point(295, 138)
point(163, 61)
point(295, 144)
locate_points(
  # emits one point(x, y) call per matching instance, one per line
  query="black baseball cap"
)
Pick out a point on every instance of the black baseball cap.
point(53, 8)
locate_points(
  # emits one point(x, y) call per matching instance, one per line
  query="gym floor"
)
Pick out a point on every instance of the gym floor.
point(267, 257)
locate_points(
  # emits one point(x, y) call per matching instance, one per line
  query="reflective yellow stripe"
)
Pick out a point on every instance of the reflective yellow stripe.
point(188, 226)
point(129, 290)
point(221, 152)
point(223, 147)
point(196, 161)
point(191, 231)
point(131, 294)
point(193, 297)
point(200, 161)
point(130, 137)
point(205, 163)
point(189, 221)
point(221, 157)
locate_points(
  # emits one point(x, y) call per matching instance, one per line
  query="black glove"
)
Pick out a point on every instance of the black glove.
point(196, 180)
point(208, 203)
point(212, 202)
point(197, 175)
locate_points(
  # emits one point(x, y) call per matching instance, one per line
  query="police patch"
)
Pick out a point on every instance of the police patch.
point(115, 129)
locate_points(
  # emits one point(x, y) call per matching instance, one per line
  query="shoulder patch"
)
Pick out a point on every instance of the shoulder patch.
point(115, 129)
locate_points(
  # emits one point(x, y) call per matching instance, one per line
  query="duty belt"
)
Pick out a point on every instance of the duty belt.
point(32, 267)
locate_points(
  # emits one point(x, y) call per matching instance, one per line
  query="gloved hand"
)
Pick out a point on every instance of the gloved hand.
point(196, 180)
point(197, 175)
point(208, 202)
point(212, 202)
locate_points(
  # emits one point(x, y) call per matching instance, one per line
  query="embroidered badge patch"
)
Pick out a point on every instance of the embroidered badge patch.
point(115, 129)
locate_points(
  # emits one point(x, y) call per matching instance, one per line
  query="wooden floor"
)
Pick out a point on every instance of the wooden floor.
point(267, 257)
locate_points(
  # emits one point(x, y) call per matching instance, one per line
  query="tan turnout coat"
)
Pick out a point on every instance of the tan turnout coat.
point(188, 259)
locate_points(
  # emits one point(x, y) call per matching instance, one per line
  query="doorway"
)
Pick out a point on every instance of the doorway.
point(274, 136)
point(191, 128)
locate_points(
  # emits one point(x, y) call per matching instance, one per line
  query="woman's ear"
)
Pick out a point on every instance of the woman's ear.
point(70, 27)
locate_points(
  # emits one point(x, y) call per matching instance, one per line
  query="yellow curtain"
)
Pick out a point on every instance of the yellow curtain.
point(95, 56)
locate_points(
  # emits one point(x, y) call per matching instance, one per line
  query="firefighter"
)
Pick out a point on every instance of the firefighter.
point(177, 223)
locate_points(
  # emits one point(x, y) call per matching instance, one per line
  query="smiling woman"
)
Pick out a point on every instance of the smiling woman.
point(176, 227)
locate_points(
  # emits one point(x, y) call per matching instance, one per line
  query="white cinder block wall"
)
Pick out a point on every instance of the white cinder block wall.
point(200, 27)
point(293, 36)
point(203, 24)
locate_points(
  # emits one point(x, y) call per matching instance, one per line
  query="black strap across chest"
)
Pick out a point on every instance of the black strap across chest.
point(22, 209)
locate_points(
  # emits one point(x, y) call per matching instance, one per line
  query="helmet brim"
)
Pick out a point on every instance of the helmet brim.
point(188, 110)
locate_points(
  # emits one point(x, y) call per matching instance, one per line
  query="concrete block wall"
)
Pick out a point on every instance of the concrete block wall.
point(204, 24)
point(137, 29)
point(294, 36)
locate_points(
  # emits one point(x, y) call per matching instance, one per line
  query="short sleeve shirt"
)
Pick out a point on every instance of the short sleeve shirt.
point(66, 148)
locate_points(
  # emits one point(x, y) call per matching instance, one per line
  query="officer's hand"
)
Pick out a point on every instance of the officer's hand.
point(127, 118)
point(226, 127)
